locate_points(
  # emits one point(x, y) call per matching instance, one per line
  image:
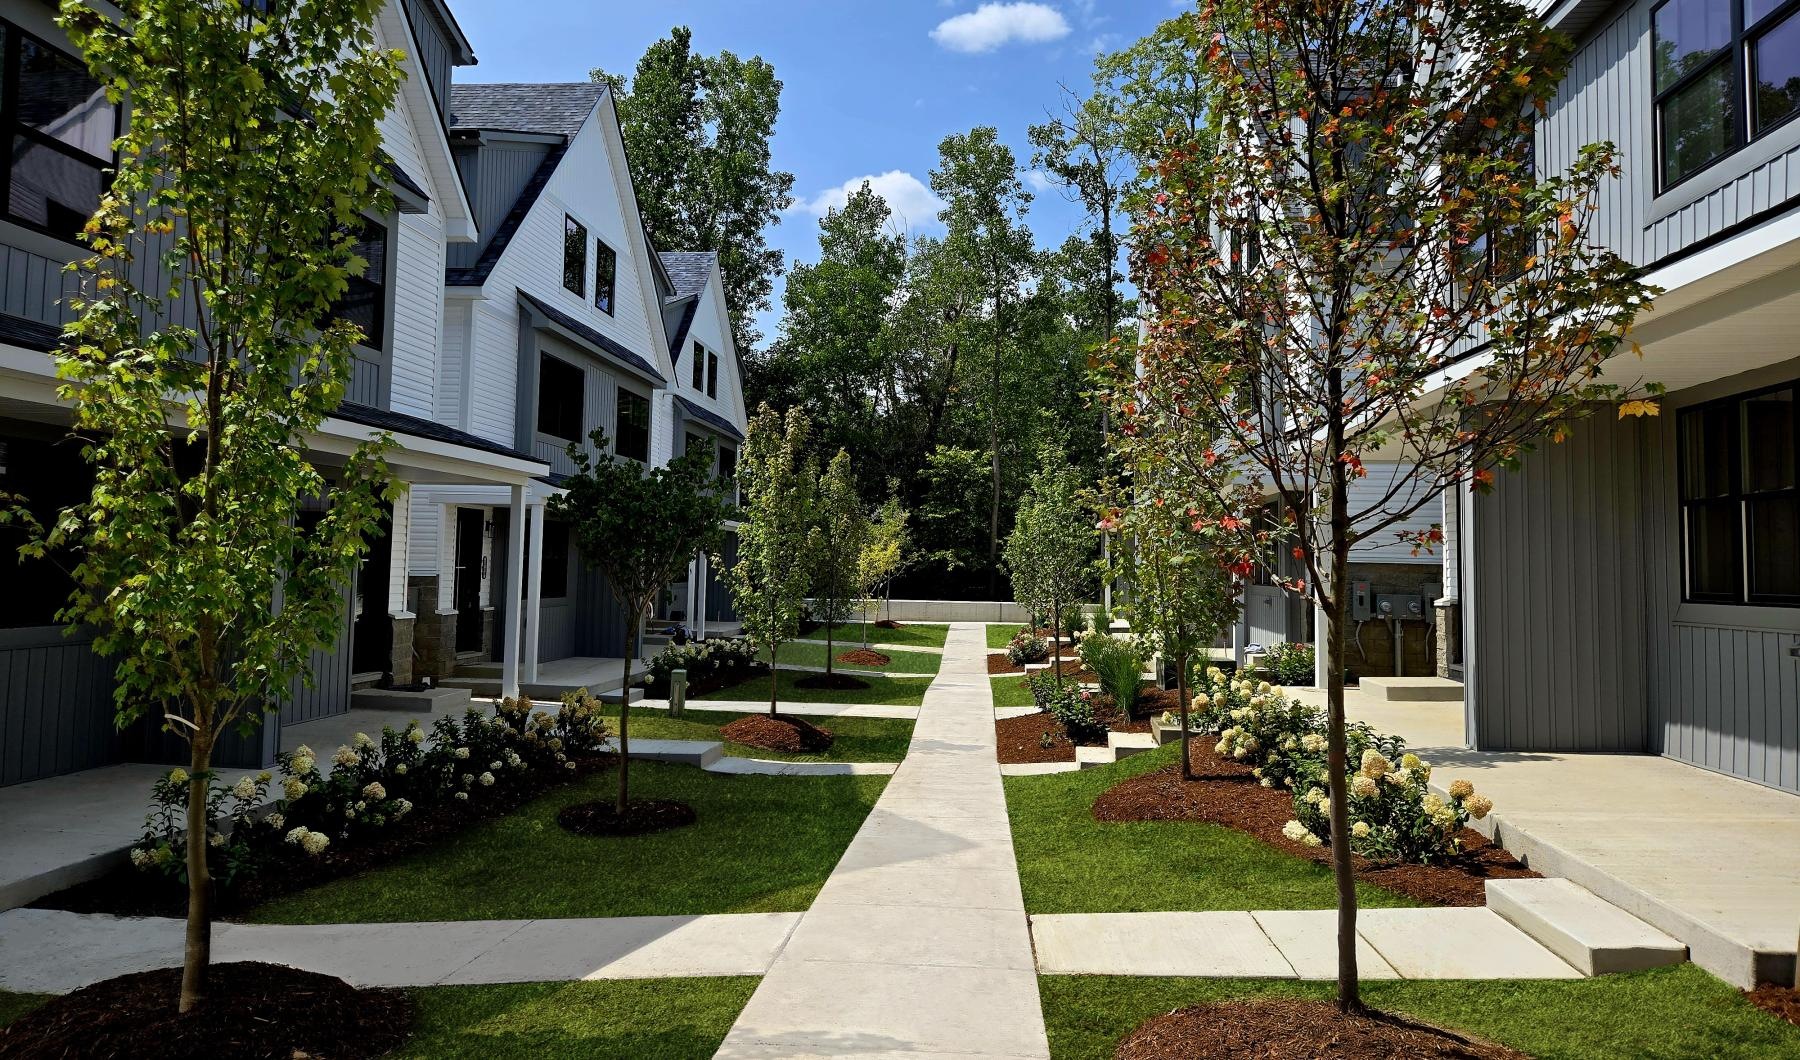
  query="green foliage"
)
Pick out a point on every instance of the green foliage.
point(834, 545)
point(1118, 662)
point(774, 564)
point(1070, 705)
point(955, 487)
point(698, 129)
point(703, 660)
point(884, 555)
point(1291, 663)
point(1050, 551)
point(1027, 647)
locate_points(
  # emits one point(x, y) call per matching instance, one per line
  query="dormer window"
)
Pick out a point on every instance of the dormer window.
point(1725, 72)
point(699, 367)
point(712, 375)
point(60, 127)
point(574, 255)
point(606, 276)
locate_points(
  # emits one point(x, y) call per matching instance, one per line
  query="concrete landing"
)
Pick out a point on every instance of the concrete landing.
point(702, 753)
point(1595, 936)
point(425, 701)
point(1412, 689)
point(50, 951)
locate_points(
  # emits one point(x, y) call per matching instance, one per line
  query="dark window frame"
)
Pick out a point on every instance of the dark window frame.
point(553, 566)
point(375, 331)
point(697, 375)
point(725, 463)
point(1738, 497)
point(606, 277)
point(712, 374)
point(12, 127)
point(1737, 54)
point(566, 400)
point(574, 256)
point(631, 440)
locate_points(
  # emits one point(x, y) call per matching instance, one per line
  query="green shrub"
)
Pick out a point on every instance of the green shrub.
point(1027, 647)
point(1070, 706)
point(1118, 662)
point(1290, 663)
point(702, 660)
point(1393, 815)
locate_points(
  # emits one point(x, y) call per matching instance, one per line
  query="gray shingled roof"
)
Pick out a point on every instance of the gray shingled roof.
point(556, 109)
point(689, 270)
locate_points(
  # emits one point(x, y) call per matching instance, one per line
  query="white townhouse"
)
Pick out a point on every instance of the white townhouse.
point(560, 321)
point(56, 713)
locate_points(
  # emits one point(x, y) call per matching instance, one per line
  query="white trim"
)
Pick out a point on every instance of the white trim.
point(515, 571)
point(534, 591)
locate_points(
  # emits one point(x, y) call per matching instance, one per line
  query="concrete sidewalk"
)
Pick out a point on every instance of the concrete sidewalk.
point(1712, 860)
point(50, 951)
point(918, 943)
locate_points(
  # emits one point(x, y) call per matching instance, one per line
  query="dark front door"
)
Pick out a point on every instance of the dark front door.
point(468, 578)
point(373, 639)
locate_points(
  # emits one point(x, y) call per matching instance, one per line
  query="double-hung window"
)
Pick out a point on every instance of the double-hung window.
point(60, 127)
point(559, 398)
point(1724, 73)
point(1740, 499)
point(631, 432)
point(606, 276)
point(365, 298)
point(699, 367)
point(574, 255)
point(712, 374)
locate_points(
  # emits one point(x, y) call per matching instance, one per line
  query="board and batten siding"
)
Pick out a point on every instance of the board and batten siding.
point(1607, 97)
point(56, 708)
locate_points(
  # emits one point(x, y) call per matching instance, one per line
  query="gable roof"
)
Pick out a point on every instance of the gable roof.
point(712, 419)
point(546, 110)
point(477, 274)
point(689, 270)
point(595, 342)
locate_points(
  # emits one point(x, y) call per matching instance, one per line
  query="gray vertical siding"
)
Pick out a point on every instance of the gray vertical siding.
point(330, 666)
point(1607, 97)
point(56, 706)
point(493, 175)
point(1560, 598)
point(431, 38)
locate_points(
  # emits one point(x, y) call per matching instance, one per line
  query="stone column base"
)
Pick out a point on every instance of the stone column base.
point(435, 636)
point(400, 656)
point(1449, 632)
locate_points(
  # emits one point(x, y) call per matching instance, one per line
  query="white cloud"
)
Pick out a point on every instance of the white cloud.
point(911, 200)
point(1037, 180)
point(993, 24)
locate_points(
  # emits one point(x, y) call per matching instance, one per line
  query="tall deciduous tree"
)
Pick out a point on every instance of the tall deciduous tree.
point(778, 485)
point(1050, 551)
point(1384, 271)
point(241, 186)
point(639, 527)
point(697, 131)
point(884, 555)
point(840, 530)
point(984, 220)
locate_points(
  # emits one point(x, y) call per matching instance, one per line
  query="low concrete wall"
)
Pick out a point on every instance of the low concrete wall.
point(958, 611)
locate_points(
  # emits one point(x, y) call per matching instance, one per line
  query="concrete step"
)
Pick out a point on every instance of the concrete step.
point(422, 702)
point(1163, 734)
point(1592, 934)
point(1413, 689)
point(700, 753)
point(1126, 744)
point(1094, 757)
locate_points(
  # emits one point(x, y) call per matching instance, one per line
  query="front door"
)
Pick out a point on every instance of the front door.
point(469, 561)
point(372, 639)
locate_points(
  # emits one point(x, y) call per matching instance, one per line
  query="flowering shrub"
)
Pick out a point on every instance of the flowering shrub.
point(231, 815)
point(702, 660)
point(1027, 647)
point(1290, 663)
point(1073, 708)
point(1117, 661)
point(1393, 815)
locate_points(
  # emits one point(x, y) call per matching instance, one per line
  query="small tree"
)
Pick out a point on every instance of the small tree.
point(1380, 272)
point(770, 578)
point(202, 585)
point(835, 544)
point(639, 528)
point(1050, 551)
point(883, 557)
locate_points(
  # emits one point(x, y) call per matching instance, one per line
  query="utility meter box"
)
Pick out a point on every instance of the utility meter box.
point(1362, 601)
point(1407, 607)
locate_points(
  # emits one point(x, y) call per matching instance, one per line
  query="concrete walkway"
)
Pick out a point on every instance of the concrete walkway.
point(805, 710)
point(918, 942)
point(1709, 859)
point(49, 951)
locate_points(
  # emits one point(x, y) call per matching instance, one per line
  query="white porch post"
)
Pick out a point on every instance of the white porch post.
point(446, 564)
point(700, 589)
point(399, 534)
point(515, 573)
point(1465, 593)
point(534, 590)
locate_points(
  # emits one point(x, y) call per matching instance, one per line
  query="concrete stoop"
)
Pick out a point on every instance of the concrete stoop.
point(1118, 745)
point(702, 753)
point(427, 701)
point(1593, 935)
point(1413, 689)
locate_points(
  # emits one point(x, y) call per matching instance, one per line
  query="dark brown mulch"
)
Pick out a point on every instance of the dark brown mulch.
point(1227, 793)
point(128, 891)
point(864, 657)
point(777, 732)
point(831, 681)
point(1266, 1028)
point(888, 623)
point(253, 1010)
point(1153, 702)
point(1782, 1002)
point(710, 683)
point(1001, 663)
point(1020, 739)
point(641, 817)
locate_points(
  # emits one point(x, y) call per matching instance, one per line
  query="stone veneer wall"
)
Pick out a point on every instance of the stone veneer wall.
point(436, 634)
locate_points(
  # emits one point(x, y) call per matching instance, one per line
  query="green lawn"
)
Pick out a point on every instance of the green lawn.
point(762, 844)
point(889, 691)
point(1000, 634)
point(12, 1005)
point(909, 635)
point(906, 662)
point(853, 739)
point(651, 1018)
point(1071, 863)
point(1012, 691)
point(1671, 1013)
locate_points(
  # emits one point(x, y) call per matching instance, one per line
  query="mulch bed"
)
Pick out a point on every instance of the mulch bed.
point(837, 682)
point(253, 1010)
point(1226, 793)
point(1153, 702)
point(128, 891)
point(1266, 1028)
point(1020, 739)
point(888, 623)
point(641, 817)
point(1782, 1002)
point(1001, 663)
point(864, 657)
point(711, 683)
point(777, 732)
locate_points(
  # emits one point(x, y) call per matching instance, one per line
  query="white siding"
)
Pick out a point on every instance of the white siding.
point(711, 328)
point(1385, 546)
point(418, 313)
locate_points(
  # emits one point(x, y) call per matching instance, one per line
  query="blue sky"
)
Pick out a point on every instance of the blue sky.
point(871, 86)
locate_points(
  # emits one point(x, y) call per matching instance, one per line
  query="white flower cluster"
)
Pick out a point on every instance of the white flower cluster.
point(1299, 833)
point(373, 791)
point(346, 757)
point(312, 842)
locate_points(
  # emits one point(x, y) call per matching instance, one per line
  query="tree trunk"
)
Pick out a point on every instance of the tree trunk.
point(197, 955)
point(830, 648)
point(994, 449)
point(774, 674)
point(1181, 693)
point(1055, 644)
point(625, 724)
point(1349, 989)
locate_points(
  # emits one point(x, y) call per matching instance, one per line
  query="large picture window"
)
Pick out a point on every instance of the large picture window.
point(559, 398)
point(365, 298)
point(1725, 72)
point(699, 367)
point(631, 436)
point(606, 276)
point(574, 255)
point(60, 128)
point(1740, 499)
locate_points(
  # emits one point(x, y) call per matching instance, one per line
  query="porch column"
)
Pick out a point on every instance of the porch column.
point(515, 574)
point(402, 621)
point(700, 589)
point(534, 593)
